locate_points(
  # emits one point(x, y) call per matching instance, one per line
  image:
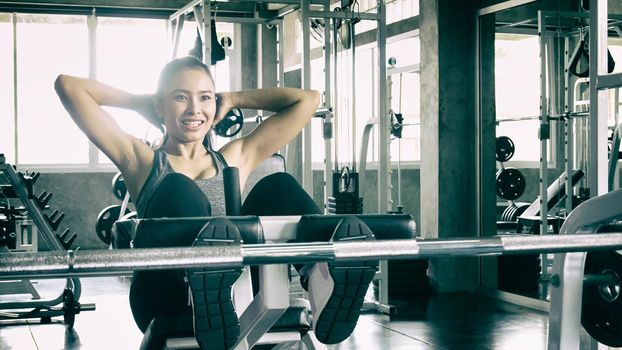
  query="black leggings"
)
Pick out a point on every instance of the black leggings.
point(164, 292)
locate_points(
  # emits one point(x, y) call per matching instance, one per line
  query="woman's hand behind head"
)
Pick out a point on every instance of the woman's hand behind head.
point(223, 106)
point(146, 106)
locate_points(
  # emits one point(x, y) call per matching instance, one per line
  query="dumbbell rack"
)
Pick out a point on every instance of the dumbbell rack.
point(66, 304)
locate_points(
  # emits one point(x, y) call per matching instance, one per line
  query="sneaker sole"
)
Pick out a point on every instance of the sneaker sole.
point(216, 324)
point(351, 281)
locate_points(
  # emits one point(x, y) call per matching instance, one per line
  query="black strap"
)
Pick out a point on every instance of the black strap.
point(580, 52)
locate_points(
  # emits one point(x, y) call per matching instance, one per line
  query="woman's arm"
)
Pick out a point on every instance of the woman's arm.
point(84, 98)
point(293, 109)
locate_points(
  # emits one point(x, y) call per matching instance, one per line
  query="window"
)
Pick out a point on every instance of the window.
point(517, 92)
point(130, 54)
point(396, 10)
point(7, 114)
point(46, 133)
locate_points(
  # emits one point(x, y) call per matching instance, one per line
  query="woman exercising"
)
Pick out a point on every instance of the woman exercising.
point(183, 178)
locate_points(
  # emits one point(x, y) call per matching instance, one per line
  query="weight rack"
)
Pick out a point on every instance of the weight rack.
point(66, 304)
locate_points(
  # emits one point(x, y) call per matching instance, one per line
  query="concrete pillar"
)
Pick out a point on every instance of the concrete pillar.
point(449, 143)
point(248, 56)
point(487, 144)
point(268, 57)
point(249, 74)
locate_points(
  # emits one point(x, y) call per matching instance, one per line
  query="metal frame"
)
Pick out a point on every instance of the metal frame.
point(614, 157)
point(599, 98)
point(330, 120)
point(384, 121)
point(544, 125)
point(568, 129)
point(92, 32)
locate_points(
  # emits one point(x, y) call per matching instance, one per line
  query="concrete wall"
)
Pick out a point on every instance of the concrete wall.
point(80, 196)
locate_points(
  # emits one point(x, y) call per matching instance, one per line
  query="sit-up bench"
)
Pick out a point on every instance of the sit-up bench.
point(268, 309)
point(267, 316)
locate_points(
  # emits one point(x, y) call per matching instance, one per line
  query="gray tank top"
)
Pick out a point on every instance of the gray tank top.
point(213, 187)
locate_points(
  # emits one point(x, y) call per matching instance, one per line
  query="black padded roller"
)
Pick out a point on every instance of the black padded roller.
point(233, 197)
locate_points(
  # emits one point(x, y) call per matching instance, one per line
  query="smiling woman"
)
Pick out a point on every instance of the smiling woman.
point(183, 176)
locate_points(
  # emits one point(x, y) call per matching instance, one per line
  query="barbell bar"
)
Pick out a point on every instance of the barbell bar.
point(84, 263)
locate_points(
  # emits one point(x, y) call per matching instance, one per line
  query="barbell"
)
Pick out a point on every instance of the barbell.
point(57, 264)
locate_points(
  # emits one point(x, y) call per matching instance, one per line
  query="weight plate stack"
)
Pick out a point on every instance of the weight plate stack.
point(345, 203)
point(512, 212)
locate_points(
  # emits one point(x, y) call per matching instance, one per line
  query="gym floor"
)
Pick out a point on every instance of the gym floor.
point(448, 321)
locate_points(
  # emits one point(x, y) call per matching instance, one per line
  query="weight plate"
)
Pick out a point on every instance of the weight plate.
point(231, 124)
point(505, 149)
point(510, 183)
point(71, 307)
point(601, 308)
point(105, 219)
point(119, 188)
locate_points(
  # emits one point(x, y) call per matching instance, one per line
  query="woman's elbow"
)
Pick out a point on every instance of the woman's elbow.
point(61, 84)
point(314, 98)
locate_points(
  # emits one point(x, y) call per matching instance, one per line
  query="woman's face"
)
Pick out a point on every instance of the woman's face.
point(188, 105)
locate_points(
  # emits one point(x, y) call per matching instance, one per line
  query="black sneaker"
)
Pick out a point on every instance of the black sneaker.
point(337, 289)
point(216, 324)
